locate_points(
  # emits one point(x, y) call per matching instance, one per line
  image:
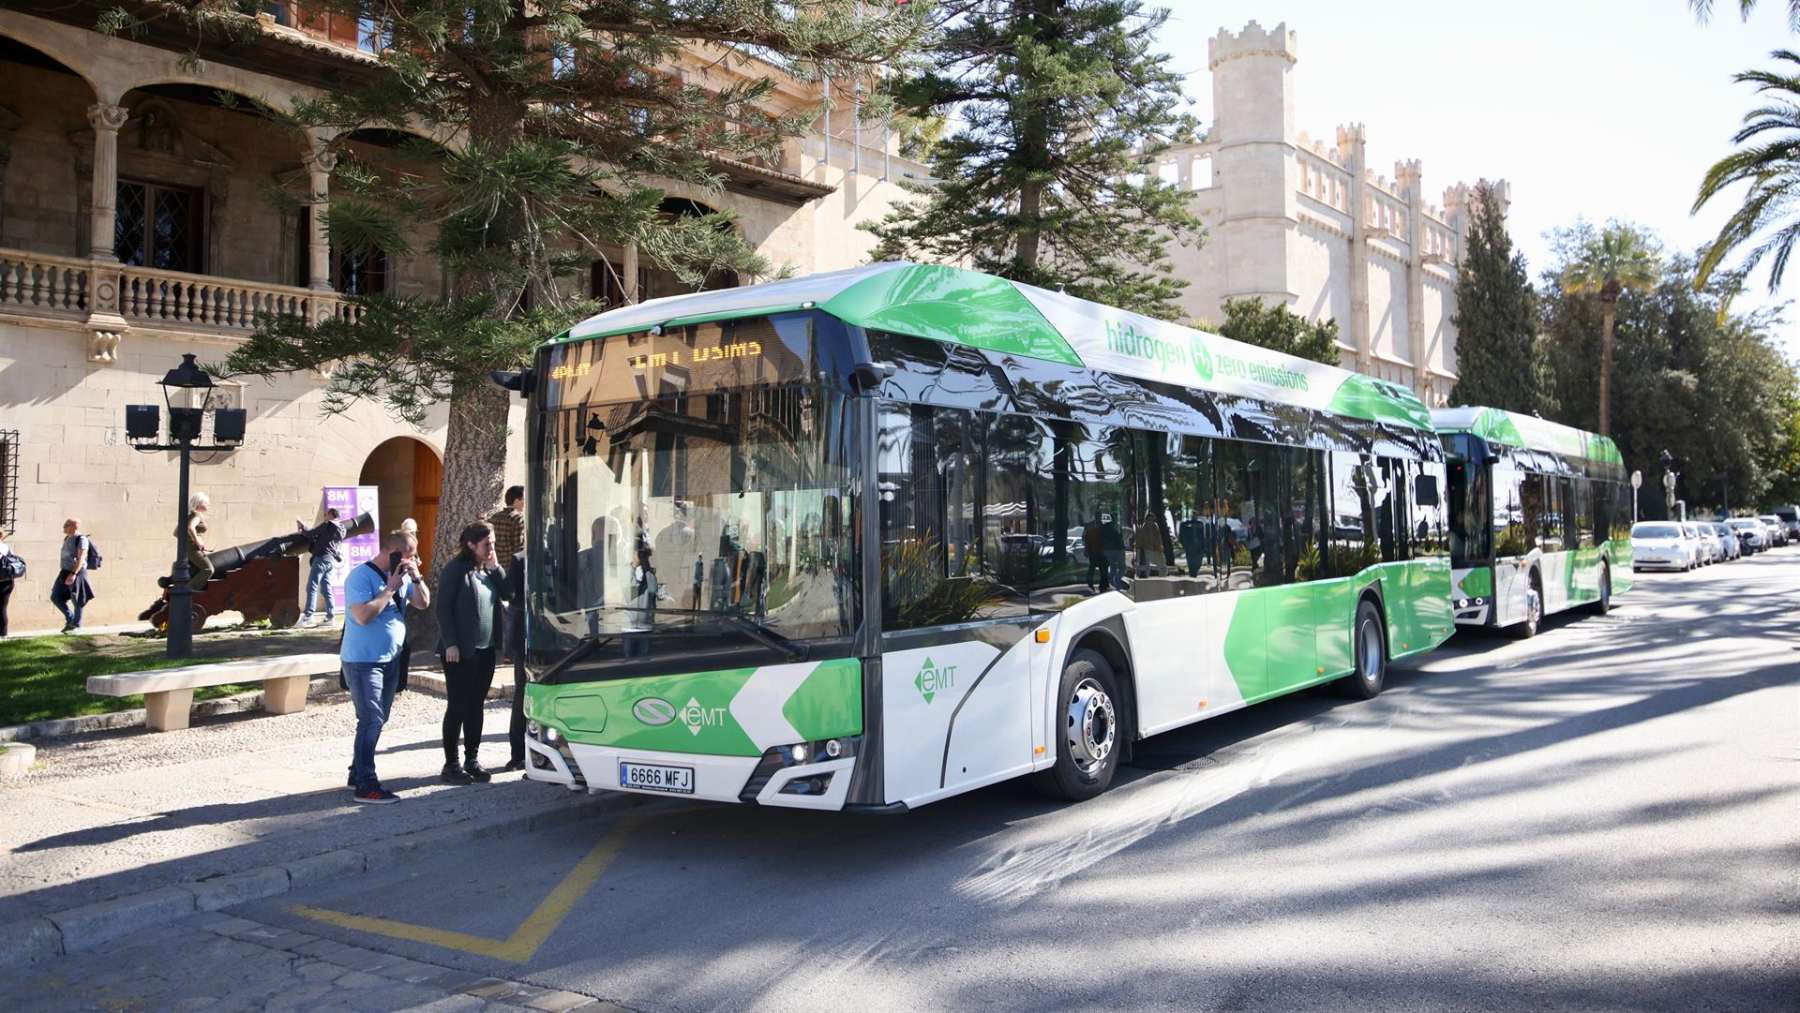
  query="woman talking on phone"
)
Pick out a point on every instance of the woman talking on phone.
point(468, 610)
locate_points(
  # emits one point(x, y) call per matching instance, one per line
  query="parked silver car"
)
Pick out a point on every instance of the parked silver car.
point(1751, 534)
point(1728, 540)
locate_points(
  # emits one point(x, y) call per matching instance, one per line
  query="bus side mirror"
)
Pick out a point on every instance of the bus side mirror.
point(1425, 490)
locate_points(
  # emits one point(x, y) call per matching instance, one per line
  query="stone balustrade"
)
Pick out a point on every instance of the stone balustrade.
point(44, 285)
point(33, 284)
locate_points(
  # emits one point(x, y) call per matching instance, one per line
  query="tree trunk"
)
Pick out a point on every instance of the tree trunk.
point(474, 470)
point(1608, 309)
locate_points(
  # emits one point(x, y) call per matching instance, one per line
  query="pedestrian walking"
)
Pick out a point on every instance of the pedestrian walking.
point(6, 580)
point(471, 630)
point(640, 617)
point(326, 543)
point(71, 592)
point(515, 649)
point(376, 595)
point(200, 568)
point(509, 524)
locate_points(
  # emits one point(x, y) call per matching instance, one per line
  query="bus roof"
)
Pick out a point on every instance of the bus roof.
point(957, 306)
point(1526, 432)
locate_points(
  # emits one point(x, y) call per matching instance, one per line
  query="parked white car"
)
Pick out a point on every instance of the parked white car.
point(1728, 540)
point(1751, 534)
point(1705, 549)
point(1777, 530)
point(1662, 545)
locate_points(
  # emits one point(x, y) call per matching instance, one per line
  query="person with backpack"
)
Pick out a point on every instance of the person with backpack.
point(10, 572)
point(71, 592)
point(471, 634)
point(325, 542)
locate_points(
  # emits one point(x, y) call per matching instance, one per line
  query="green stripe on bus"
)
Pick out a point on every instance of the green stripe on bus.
point(953, 306)
point(829, 703)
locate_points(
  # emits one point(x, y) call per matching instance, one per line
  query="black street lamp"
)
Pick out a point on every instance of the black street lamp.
point(185, 426)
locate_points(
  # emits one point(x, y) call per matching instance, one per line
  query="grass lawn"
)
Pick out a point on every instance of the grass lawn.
point(46, 677)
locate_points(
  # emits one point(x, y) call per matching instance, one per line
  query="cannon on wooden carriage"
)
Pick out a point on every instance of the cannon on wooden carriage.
point(261, 580)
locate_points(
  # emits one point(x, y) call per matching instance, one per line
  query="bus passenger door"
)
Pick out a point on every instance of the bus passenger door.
point(956, 708)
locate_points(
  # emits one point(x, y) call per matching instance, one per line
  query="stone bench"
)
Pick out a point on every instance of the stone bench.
point(169, 692)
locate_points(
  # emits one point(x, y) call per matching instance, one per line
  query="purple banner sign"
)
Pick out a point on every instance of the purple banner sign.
point(351, 500)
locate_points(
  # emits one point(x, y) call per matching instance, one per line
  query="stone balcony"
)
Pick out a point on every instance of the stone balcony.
point(108, 299)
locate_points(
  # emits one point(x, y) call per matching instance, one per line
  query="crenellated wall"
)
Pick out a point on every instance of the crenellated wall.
point(1309, 222)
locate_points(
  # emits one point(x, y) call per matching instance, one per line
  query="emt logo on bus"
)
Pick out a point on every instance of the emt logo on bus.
point(697, 717)
point(931, 679)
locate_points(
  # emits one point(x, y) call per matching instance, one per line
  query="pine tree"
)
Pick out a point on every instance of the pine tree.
point(1059, 105)
point(1280, 328)
point(561, 122)
point(1496, 317)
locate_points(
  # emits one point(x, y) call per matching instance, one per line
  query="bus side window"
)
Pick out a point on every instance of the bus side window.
point(1351, 533)
point(1532, 507)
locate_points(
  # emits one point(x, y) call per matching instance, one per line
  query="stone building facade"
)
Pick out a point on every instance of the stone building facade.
point(1309, 223)
point(136, 225)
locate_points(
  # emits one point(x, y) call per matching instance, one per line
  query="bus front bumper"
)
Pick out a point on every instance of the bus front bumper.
point(801, 776)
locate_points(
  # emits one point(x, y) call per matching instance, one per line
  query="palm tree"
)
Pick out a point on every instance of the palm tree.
point(1771, 167)
point(1617, 258)
point(1703, 10)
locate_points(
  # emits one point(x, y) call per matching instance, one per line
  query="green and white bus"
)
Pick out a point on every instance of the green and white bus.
point(1540, 517)
point(869, 539)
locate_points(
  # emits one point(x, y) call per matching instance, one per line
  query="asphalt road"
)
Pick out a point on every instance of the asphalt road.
point(1604, 817)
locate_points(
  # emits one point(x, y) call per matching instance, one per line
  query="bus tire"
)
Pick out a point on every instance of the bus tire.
point(1089, 736)
point(1604, 604)
point(1534, 607)
point(1368, 655)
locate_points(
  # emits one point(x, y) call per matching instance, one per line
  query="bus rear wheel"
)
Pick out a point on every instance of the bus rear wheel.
point(1088, 740)
point(1534, 608)
point(1604, 604)
point(1368, 649)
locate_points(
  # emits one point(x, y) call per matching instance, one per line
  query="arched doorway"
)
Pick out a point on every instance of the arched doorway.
point(410, 477)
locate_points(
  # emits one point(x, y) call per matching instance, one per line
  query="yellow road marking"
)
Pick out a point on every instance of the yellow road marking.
point(525, 940)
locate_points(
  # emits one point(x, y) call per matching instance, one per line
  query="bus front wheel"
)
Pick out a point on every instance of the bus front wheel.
point(1088, 740)
point(1369, 647)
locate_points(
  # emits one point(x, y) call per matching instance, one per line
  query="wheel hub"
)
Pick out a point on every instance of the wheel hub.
point(1092, 726)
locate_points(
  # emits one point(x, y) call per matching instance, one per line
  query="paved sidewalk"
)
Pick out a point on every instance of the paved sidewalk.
point(181, 967)
point(118, 813)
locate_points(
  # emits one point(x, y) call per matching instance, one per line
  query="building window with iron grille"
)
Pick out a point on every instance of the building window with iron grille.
point(160, 226)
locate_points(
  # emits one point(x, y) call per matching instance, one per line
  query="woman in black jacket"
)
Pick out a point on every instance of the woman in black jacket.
point(470, 593)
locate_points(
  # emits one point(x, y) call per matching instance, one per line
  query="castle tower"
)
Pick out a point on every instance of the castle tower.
point(1253, 109)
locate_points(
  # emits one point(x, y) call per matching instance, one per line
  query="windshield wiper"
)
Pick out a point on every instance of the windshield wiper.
point(747, 626)
point(589, 644)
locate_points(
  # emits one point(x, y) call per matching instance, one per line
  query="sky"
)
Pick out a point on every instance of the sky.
point(1597, 108)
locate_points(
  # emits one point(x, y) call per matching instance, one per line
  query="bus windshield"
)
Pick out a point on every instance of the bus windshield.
point(709, 513)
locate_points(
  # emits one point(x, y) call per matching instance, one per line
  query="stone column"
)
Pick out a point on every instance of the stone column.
point(104, 325)
point(320, 160)
point(10, 122)
point(1408, 175)
point(1352, 142)
point(107, 119)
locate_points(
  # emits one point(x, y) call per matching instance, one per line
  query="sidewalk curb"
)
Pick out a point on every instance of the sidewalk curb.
point(61, 728)
point(428, 682)
point(80, 929)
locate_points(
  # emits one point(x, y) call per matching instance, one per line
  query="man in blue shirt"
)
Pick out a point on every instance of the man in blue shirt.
point(376, 595)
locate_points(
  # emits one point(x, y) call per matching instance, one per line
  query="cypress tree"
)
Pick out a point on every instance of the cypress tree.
point(1059, 105)
point(1496, 317)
